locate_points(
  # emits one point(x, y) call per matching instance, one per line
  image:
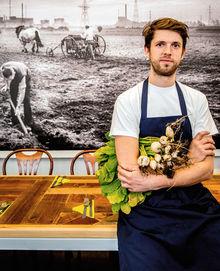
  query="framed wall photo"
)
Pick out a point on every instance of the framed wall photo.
point(74, 84)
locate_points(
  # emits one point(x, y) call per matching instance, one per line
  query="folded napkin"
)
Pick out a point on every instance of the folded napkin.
point(4, 206)
point(59, 180)
point(87, 209)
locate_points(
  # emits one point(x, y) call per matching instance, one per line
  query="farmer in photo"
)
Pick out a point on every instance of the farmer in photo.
point(178, 226)
point(17, 81)
point(89, 35)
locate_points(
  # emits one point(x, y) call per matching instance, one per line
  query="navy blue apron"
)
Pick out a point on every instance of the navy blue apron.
point(173, 230)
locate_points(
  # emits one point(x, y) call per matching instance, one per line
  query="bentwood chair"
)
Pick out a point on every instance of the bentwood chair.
point(28, 160)
point(89, 161)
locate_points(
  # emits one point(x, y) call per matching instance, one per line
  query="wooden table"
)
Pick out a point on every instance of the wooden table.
point(41, 217)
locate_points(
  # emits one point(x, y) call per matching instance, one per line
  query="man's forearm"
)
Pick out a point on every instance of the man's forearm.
point(195, 173)
point(127, 150)
point(21, 92)
point(188, 176)
point(21, 95)
point(127, 153)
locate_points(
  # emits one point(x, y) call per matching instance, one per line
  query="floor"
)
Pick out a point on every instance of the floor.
point(60, 260)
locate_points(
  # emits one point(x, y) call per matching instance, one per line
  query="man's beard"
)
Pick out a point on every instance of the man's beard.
point(164, 71)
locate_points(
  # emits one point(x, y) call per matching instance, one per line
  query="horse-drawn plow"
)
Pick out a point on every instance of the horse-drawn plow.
point(71, 45)
point(77, 47)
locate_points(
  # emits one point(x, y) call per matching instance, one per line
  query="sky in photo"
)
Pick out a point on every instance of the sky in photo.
point(106, 12)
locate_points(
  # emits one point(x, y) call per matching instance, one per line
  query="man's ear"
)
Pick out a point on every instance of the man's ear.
point(183, 54)
point(146, 52)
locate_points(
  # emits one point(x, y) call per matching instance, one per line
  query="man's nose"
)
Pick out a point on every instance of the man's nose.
point(167, 50)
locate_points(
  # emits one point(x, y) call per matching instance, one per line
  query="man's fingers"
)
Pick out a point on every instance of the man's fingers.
point(200, 135)
point(210, 153)
point(123, 173)
point(124, 181)
point(207, 139)
point(121, 177)
point(128, 168)
point(125, 185)
point(209, 147)
point(123, 167)
point(4, 89)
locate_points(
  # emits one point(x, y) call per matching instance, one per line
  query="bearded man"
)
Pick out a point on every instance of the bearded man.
point(179, 228)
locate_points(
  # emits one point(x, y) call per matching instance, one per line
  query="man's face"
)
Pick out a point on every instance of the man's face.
point(9, 79)
point(166, 52)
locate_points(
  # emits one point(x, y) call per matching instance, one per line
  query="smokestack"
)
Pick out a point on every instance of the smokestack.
point(126, 11)
point(9, 8)
point(22, 12)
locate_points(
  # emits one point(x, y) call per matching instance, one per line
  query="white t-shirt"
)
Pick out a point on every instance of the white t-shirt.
point(161, 102)
point(88, 34)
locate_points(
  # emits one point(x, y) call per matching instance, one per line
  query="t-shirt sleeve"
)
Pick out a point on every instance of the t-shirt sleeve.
point(125, 121)
point(204, 120)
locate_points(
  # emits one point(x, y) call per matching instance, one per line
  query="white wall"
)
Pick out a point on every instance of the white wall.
point(62, 161)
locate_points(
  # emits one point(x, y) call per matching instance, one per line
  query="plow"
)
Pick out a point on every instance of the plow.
point(77, 47)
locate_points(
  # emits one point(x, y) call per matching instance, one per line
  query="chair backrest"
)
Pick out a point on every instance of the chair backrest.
point(28, 161)
point(89, 160)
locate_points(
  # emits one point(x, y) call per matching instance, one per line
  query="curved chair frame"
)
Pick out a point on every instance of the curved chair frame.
point(25, 160)
point(88, 159)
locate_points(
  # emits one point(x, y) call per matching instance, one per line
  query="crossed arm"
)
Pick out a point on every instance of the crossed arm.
point(201, 153)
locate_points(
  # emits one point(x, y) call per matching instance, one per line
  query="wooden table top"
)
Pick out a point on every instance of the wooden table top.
point(37, 210)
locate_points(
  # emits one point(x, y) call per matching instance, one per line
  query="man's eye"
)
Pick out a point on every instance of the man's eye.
point(159, 44)
point(176, 45)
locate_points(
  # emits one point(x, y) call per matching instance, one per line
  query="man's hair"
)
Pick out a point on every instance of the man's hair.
point(165, 24)
point(99, 28)
point(7, 72)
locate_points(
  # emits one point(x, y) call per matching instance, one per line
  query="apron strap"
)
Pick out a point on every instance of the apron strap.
point(181, 100)
point(144, 99)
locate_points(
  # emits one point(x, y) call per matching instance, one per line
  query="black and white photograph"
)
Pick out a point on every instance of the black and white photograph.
point(76, 56)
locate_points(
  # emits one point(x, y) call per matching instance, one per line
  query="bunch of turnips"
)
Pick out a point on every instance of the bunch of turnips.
point(158, 155)
point(164, 155)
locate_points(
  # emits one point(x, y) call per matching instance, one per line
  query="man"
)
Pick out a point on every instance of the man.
point(179, 228)
point(17, 78)
point(90, 36)
point(88, 33)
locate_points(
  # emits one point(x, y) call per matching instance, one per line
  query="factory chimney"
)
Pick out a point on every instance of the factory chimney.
point(22, 12)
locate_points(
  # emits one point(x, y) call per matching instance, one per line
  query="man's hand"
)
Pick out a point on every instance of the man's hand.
point(4, 88)
point(132, 179)
point(135, 181)
point(17, 111)
point(201, 146)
